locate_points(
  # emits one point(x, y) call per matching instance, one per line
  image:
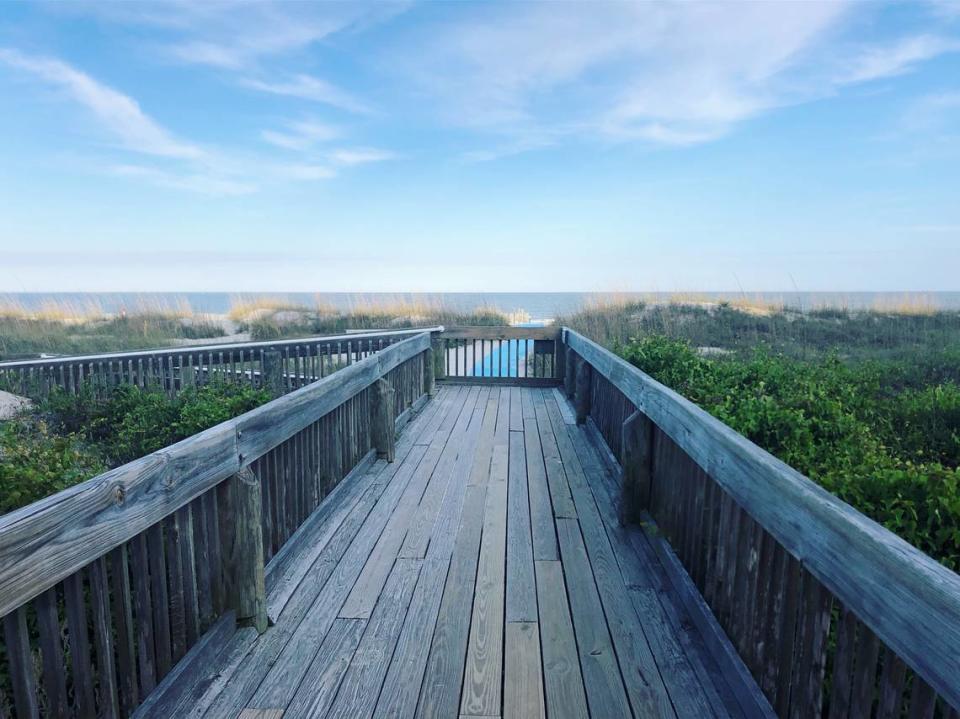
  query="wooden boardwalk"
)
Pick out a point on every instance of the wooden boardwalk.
point(482, 574)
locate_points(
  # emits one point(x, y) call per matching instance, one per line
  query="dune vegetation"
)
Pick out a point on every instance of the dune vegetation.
point(64, 328)
point(865, 403)
point(269, 318)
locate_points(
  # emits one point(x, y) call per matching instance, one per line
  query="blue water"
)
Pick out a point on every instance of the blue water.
point(539, 305)
point(504, 363)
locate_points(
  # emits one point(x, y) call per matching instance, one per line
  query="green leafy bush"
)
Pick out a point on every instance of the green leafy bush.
point(69, 438)
point(864, 431)
point(35, 462)
point(132, 421)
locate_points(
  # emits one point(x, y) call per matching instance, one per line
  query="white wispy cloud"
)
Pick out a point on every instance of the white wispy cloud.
point(301, 135)
point(660, 73)
point(205, 184)
point(933, 112)
point(361, 156)
point(303, 172)
point(249, 39)
point(165, 160)
point(898, 58)
point(308, 87)
point(118, 114)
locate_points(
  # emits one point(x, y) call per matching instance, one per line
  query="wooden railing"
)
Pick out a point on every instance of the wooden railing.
point(137, 563)
point(831, 613)
point(283, 365)
point(526, 355)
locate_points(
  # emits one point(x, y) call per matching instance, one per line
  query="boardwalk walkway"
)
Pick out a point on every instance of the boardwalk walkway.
point(482, 574)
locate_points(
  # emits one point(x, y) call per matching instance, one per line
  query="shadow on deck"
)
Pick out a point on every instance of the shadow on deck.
point(483, 573)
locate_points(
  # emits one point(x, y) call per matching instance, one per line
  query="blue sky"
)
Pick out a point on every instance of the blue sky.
point(479, 146)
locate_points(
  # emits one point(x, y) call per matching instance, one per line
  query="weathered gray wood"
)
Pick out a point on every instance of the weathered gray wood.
point(20, 660)
point(878, 575)
point(556, 476)
point(644, 685)
point(161, 599)
point(541, 515)
point(521, 583)
point(287, 568)
point(103, 640)
point(688, 670)
point(242, 541)
point(183, 523)
point(170, 694)
point(867, 651)
point(440, 693)
point(122, 605)
point(637, 465)
point(891, 687)
point(275, 667)
point(751, 699)
point(46, 541)
point(401, 687)
point(523, 674)
point(429, 371)
point(606, 695)
point(383, 418)
point(483, 672)
point(143, 613)
point(322, 680)
point(370, 662)
point(273, 372)
point(842, 679)
point(570, 373)
point(563, 682)
point(581, 395)
point(421, 530)
point(79, 640)
point(500, 381)
point(51, 654)
point(484, 332)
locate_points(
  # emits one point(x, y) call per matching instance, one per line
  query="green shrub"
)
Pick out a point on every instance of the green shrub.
point(132, 421)
point(35, 462)
point(69, 438)
point(862, 431)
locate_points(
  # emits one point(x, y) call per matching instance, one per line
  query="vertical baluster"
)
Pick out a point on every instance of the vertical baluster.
point(122, 606)
point(77, 628)
point(52, 654)
point(19, 657)
point(103, 640)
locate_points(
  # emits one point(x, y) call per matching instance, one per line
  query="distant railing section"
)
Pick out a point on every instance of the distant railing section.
point(498, 354)
point(832, 614)
point(283, 365)
point(106, 585)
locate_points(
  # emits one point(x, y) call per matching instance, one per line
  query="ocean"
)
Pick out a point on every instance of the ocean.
point(538, 305)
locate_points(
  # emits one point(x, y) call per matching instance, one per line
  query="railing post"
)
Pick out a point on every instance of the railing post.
point(582, 391)
point(636, 461)
point(429, 369)
point(241, 539)
point(272, 372)
point(439, 358)
point(384, 420)
point(569, 372)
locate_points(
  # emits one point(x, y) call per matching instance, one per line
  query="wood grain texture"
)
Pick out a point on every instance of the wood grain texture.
point(879, 576)
point(46, 541)
point(563, 682)
point(483, 673)
point(357, 696)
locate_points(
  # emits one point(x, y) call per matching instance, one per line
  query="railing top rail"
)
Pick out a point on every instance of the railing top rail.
point(48, 540)
point(907, 598)
point(225, 347)
point(500, 332)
